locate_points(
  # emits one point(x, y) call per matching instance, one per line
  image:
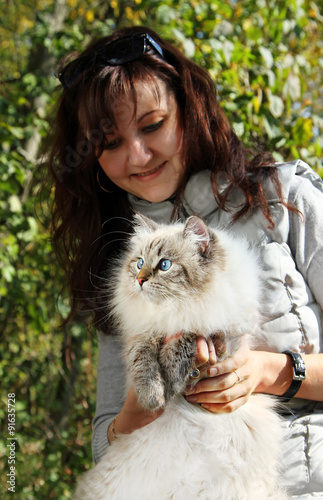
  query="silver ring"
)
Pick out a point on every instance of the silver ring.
point(238, 378)
point(195, 373)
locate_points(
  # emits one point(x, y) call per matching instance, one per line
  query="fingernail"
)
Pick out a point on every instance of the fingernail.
point(212, 372)
point(189, 390)
point(191, 399)
point(205, 406)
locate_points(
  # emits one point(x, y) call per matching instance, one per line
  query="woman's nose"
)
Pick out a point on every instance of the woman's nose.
point(139, 153)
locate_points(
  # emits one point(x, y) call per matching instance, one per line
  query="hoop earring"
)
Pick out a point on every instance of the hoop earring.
point(98, 180)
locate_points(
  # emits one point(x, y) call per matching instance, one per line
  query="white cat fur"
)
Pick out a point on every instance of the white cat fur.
point(189, 453)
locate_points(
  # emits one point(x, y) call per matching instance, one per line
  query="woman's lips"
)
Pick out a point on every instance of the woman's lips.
point(150, 174)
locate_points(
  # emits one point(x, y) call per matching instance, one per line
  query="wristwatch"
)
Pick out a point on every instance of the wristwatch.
point(299, 374)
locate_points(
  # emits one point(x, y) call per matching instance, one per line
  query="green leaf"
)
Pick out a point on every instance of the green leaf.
point(276, 104)
point(29, 234)
point(302, 131)
point(254, 33)
point(271, 128)
point(292, 87)
point(14, 203)
point(267, 56)
point(165, 14)
point(239, 128)
point(227, 48)
point(8, 272)
point(17, 132)
point(189, 48)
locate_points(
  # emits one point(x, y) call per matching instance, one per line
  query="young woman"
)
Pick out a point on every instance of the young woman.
point(139, 128)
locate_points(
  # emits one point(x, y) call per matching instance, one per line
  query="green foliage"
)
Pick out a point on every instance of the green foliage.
point(266, 58)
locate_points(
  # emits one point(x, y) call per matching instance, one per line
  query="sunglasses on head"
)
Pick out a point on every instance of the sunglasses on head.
point(118, 52)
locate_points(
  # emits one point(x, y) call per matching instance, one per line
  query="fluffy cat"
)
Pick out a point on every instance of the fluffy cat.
point(199, 281)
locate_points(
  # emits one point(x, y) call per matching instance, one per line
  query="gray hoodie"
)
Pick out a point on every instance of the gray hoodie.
point(291, 256)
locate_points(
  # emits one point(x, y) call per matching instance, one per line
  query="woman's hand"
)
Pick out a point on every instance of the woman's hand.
point(132, 416)
point(229, 383)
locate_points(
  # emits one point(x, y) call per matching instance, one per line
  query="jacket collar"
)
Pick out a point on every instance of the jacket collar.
point(198, 199)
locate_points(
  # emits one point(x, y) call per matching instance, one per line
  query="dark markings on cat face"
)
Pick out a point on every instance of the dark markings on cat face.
point(155, 245)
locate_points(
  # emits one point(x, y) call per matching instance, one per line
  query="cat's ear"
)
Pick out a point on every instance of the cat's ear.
point(143, 221)
point(194, 225)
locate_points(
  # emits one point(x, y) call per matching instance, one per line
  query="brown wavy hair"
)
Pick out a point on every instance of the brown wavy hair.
point(89, 225)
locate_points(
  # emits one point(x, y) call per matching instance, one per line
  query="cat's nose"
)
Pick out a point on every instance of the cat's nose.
point(141, 280)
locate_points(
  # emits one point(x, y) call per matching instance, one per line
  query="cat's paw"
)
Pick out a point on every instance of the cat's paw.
point(177, 360)
point(145, 373)
point(151, 396)
point(173, 388)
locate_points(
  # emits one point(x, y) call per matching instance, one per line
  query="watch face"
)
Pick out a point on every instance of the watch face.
point(298, 365)
point(299, 375)
point(299, 368)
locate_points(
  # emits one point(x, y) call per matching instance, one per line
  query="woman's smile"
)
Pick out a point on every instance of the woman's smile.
point(148, 175)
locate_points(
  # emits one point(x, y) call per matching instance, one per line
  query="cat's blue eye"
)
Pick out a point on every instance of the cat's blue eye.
point(140, 263)
point(165, 264)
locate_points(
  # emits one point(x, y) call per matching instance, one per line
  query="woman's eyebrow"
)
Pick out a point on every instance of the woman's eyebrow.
point(114, 128)
point(146, 114)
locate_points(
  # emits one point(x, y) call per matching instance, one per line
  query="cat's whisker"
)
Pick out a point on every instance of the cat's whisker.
point(110, 232)
point(98, 308)
point(171, 298)
point(109, 312)
point(101, 321)
point(126, 298)
point(181, 302)
point(167, 294)
point(94, 292)
point(100, 278)
point(109, 243)
point(90, 299)
point(103, 292)
point(116, 218)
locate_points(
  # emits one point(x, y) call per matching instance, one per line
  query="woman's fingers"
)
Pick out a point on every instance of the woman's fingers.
point(227, 407)
point(205, 353)
point(212, 353)
point(228, 384)
point(220, 383)
point(219, 394)
point(232, 363)
point(202, 352)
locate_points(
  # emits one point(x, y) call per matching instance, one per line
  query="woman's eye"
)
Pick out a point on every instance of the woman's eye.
point(140, 263)
point(153, 126)
point(165, 264)
point(112, 144)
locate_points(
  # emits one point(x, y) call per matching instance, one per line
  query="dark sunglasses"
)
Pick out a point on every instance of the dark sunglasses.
point(121, 51)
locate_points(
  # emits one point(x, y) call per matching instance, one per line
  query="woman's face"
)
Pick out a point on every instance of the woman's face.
point(142, 151)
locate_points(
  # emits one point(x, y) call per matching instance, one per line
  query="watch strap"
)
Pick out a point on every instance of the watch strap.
point(299, 374)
